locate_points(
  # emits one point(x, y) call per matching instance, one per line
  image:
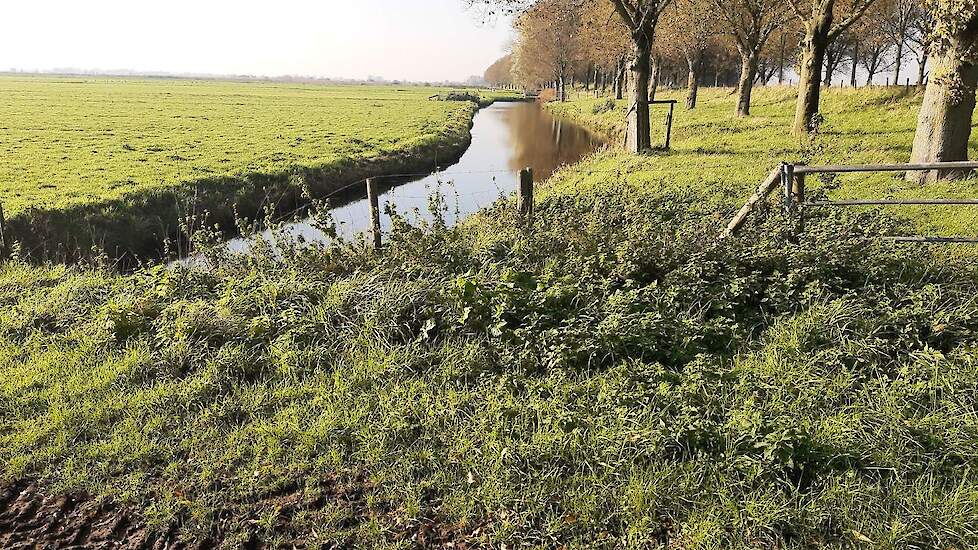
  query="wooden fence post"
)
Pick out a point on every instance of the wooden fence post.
point(373, 198)
point(787, 182)
point(669, 126)
point(798, 192)
point(794, 197)
point(524, 197)
point(3, 235)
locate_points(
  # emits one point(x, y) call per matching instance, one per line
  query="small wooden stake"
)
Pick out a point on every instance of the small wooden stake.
point(3, 235)
point(798, 193)
point(669, 126)
point(788, 182)
point(373, 198)
point(524, 196)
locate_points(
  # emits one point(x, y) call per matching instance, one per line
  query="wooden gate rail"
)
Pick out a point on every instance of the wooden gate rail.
point(802, 169)
point(872, 202)
point(792, 179)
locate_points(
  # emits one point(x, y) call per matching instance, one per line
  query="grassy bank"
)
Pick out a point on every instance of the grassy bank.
point(713, 150)
point(613, 378)
point(114, 164)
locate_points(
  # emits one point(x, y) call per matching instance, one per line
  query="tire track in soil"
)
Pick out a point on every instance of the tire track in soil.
point(30, 518)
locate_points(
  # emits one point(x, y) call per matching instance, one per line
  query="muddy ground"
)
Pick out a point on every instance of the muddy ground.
point(33, 518)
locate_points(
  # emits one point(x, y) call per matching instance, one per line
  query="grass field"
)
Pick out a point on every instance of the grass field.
point(99, 147)
point(614, 378)
point(713, 150)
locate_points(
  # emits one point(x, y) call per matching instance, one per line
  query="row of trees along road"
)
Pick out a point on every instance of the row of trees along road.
point(635, 44)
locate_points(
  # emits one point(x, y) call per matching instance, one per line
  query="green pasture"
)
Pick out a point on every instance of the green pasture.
point(68, 141)
point(727, 157)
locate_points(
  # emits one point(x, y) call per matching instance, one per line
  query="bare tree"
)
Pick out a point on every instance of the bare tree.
point(824, 22)
point(875, 42)
point(835, 54)
point(688, 30)
point(640, 18)
point(750, 23)
point(919, 40)
point(944, 127)
point(898, 18)
point(546, 45)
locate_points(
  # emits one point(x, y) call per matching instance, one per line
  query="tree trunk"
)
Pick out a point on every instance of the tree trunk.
point(620, 81)
point(654, 83)
point(855, 65)
point(810, 83)
point(748, 72)
point(899, 61)
point(561, 89)
point(693, 83)
point(695, 64)
point(922, 67)
point(638, 137)
point(944, 127)
point(781, 60)
point(832, 59)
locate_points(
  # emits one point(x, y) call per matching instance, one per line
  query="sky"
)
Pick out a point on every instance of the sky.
point(418, 40)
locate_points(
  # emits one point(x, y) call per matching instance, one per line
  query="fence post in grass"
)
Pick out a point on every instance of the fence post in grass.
point(794, 197)
point(373, 198)
point(798, 192)
point(3, 234)
point(669, 126)
point(524, 197)
point(787, 183)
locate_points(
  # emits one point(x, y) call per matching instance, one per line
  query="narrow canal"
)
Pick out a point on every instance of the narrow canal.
point(506, 137)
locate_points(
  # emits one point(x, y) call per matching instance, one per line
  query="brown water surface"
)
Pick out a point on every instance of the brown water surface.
point(506, 137)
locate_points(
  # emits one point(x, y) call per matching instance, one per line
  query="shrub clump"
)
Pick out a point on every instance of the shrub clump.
point(605, 106)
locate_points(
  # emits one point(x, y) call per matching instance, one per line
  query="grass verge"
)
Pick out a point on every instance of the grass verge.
point(613, 378)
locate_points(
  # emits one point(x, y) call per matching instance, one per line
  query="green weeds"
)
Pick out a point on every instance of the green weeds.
point(613, 378)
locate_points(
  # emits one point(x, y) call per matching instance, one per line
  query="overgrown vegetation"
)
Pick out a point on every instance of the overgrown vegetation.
point(612, 378)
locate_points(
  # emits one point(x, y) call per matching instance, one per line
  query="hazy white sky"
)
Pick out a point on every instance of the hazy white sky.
point(396, 39)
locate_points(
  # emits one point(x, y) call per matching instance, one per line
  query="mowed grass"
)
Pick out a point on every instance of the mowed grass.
point(70, 141)
point(726, 156)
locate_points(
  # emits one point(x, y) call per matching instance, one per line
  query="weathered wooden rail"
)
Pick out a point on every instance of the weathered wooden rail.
point(792, 179)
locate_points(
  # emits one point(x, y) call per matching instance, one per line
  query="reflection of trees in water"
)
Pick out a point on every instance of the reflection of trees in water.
point(544, 142)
